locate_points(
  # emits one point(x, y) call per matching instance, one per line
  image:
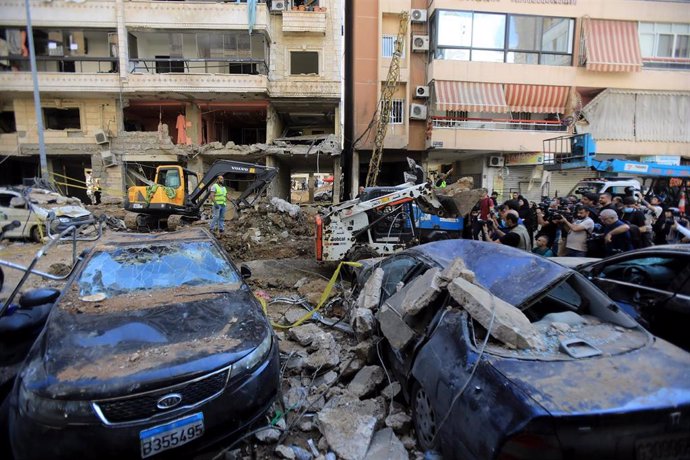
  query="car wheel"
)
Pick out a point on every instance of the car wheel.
point(353, 255)
point(424, 419)
point(36, 234)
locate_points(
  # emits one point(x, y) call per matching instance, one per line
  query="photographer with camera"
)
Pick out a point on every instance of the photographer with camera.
point(548, 227)
point(578, 231)
point(675, 227)
point(513, 228)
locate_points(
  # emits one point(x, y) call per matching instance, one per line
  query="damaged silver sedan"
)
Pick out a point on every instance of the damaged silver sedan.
point(505, 355)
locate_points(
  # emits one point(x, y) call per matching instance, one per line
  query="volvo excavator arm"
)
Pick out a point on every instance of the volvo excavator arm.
point(234, 171)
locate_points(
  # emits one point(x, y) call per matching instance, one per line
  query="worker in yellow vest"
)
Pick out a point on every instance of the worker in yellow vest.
point(219, 198)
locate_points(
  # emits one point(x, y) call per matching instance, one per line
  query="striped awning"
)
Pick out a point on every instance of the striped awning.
point(612, 46)
point(470, 96)
point(536, 98)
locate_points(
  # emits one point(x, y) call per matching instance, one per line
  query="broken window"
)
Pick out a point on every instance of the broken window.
point(8, 123)
point(304, 62)
point(397, 112)
point(61, 118)
point(138, 268)
point(166, 65)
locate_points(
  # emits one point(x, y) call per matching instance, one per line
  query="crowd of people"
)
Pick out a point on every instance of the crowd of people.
point(593, 225)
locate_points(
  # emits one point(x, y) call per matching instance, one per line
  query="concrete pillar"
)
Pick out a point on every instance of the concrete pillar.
point(193, 115)
point(311, 185)
point(355, 174)
point(337, 173)
point(274, 126)
point(122, 42)
point(280, 186)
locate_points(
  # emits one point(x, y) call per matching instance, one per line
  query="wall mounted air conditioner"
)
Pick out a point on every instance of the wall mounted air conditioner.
point(278, 6)
point(101, 137)
point(417, 112)
point(420, 43)
point(108, 158)
point(422, 92)
point(496, 162)
point(418, 15)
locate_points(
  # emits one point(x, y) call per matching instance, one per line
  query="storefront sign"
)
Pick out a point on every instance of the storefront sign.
point(526, 158)
point(549, 2)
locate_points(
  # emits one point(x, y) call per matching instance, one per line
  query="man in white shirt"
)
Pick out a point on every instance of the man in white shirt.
point(580, 228)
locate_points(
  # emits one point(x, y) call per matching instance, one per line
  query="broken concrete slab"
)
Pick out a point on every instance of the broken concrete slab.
point(385, 445)
point(268, 435)
point(363, 323)
point(305, 334)
point(457, 269)
point(366, 350)
point(510, 325)
point(284, 452)
point(394, 328)
point(420, 293)
point(348, 369)
point(366, 381)
point(399, 422)
point(325, 357)
point(348, 434)
point(391, 391)
point(370, 295)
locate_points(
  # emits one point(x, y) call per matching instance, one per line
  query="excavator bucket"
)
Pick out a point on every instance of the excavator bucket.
point(460, 202)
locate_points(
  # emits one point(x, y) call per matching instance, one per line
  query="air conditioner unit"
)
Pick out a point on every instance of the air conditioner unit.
point(420, 43)
point(278, 6)
point(101, 137)
point(496, 162)
point(422, 92)
point(108, 158)
point(418, 15)
point(417, 112)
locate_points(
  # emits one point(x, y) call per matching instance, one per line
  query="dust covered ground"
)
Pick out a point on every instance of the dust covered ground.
point(337, 399)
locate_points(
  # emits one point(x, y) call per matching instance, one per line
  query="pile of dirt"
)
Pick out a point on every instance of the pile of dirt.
point(269, 231)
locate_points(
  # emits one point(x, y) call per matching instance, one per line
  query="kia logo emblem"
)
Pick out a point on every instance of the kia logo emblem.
point(169, 401)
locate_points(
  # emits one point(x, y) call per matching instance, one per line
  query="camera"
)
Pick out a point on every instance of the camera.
point(489, 223)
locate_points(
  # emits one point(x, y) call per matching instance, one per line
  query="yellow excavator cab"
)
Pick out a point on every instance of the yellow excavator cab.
point(168, 188)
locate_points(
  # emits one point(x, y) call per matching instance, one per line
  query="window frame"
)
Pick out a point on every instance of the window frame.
point(45, 118)
point(399, 105)
point(506, 50)
point(656, 38)
point(393, 39)
point(318, 62)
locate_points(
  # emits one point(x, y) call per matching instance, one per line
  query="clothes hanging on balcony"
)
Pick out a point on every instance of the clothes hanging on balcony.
point(251, 12)
point(181, 125)
point(14, 41)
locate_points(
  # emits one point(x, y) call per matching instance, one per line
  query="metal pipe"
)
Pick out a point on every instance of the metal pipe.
point(37, 96)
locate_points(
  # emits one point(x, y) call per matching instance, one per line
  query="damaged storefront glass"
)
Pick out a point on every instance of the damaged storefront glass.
point(138, 268)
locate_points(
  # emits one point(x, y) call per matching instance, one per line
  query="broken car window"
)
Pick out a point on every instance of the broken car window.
point(137, 268)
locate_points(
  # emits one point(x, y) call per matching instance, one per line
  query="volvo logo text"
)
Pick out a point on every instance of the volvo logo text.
point(169, 401)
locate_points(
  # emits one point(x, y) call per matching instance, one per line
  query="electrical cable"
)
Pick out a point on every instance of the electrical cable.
point(474, 369)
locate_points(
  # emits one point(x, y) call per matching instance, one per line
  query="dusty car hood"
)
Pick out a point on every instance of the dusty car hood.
point(97, 354)
point(656, 376)
point(511, 274)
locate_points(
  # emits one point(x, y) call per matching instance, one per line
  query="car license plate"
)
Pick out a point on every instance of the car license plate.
point(672, 447)
point(171, 435)
point(137, 206)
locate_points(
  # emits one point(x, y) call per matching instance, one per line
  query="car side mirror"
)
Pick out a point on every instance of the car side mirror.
point(40, 296)
point(17, 202)
point(245, 272)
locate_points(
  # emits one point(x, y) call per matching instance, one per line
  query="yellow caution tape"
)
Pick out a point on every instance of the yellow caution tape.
point(324, 296)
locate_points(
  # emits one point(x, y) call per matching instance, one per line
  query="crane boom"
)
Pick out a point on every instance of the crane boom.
point(387, 91)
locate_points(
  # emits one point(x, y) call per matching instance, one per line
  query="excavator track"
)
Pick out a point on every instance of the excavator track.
point(174, 222)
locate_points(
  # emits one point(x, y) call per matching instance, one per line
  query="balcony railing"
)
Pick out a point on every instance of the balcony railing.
point(498, 124)
point(63, 64)
point(199, 65)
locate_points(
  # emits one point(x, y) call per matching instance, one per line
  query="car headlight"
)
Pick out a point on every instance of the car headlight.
point(254, 357)
point(64, 220)
point(53, 411)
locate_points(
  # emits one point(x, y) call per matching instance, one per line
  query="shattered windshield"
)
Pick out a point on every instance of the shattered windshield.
point(137, 268)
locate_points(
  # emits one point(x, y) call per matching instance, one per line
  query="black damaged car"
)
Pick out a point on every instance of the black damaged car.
point(156, 347)
point(599, 385)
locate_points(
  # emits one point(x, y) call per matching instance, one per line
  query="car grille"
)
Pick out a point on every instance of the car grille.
point(144, 405)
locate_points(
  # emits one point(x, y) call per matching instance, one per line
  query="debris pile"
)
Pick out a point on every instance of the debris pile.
point(272, 229)
point(339, 401)
point(461, 194)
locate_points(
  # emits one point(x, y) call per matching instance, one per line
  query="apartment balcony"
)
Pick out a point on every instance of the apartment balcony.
point(491, 134)
point(85, 74)
point(197, 15)
point(94, 13)
point(198, 75)
point(305, 87)
point(312, 22)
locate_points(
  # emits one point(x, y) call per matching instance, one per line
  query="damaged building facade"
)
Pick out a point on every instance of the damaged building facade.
point(483, 83)
point(129, 85)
